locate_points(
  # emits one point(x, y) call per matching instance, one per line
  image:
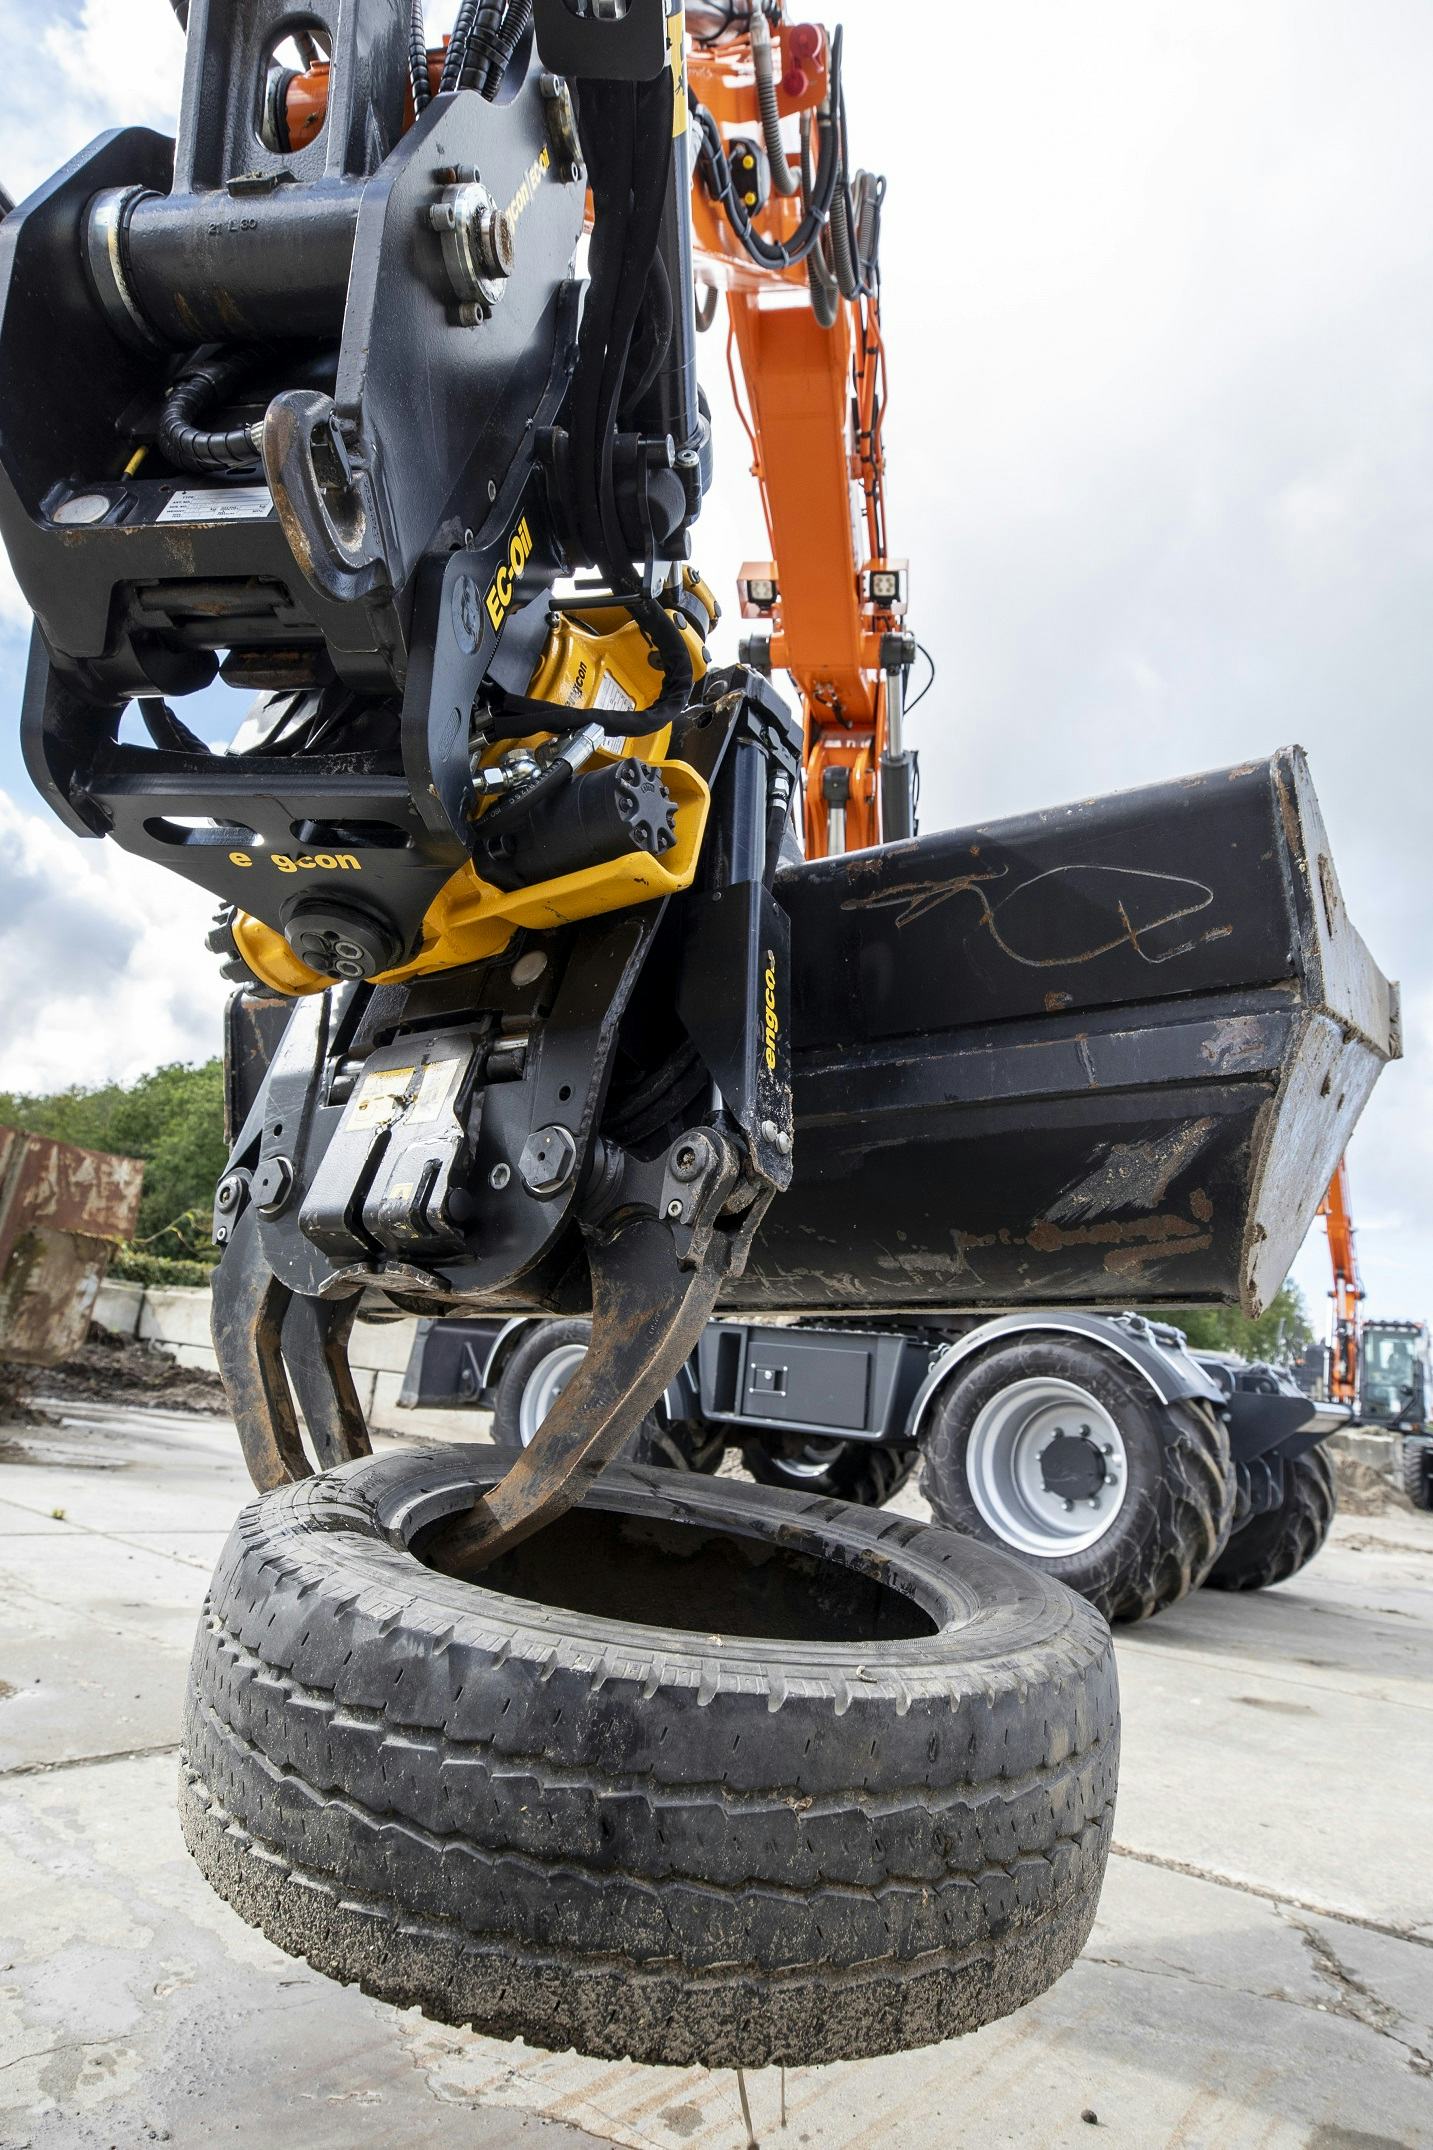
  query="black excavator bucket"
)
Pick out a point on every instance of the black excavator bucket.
point(1102, 1054)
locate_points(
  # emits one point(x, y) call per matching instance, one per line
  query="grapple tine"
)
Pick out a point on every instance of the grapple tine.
point(315, 1347)
point(647, 1315)
point(250, 1306)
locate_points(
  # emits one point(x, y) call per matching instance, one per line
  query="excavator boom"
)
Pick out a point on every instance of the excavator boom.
point(807, 360)
point(1337, 1212)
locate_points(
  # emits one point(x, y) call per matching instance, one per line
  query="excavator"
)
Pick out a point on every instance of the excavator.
point(1336, 1209)
point(376, 393)
point(1380, 1369)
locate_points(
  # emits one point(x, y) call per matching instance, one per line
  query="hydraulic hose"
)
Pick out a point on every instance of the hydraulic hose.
point(843, 242)
point(659, 323)
point(490, 34)
point(771, 253)
point(418, 58)
point(457, 52)
point(824, 288)
point(514, 29)
point(845, 253)
point(782, 177)
point(711, 20)
point(627, 140)
point(484, 44)
point(168, 731)
point(647, 164)
point(206, 385)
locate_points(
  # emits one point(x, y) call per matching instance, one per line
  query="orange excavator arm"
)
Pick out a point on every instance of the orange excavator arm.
point(806, 357)
point(1336, 1211)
